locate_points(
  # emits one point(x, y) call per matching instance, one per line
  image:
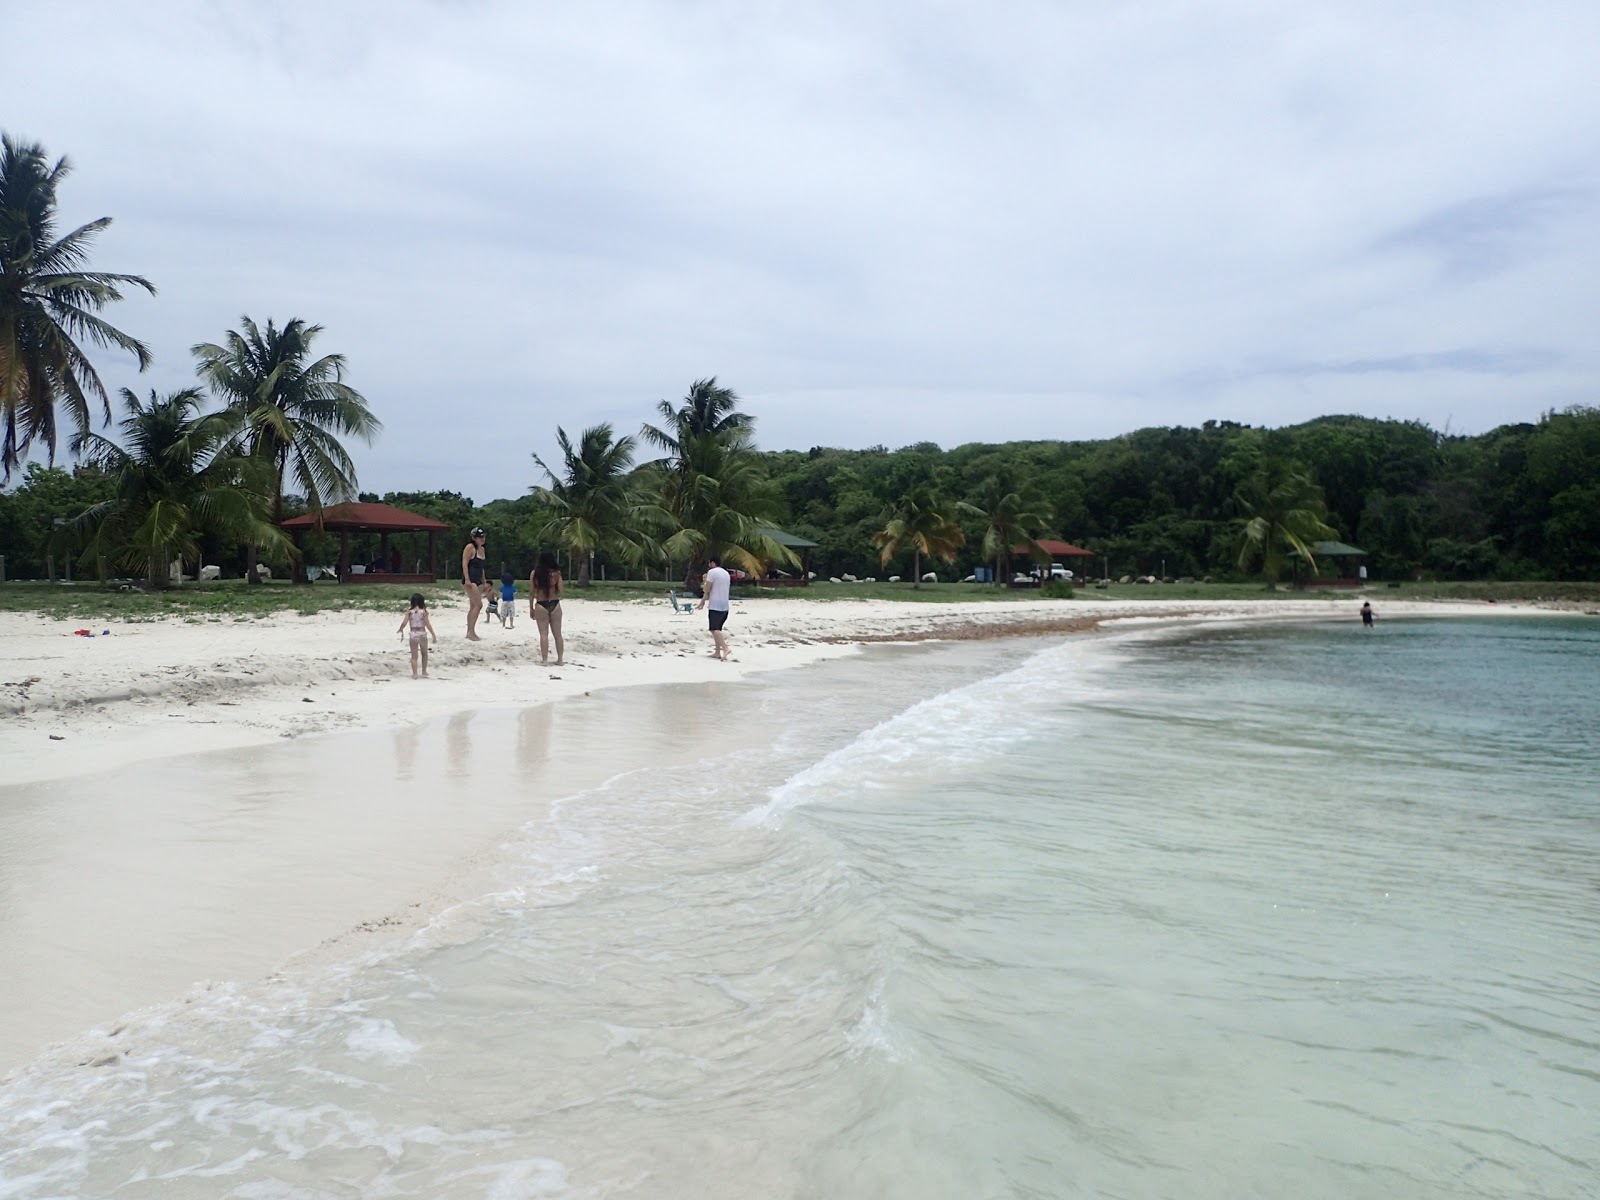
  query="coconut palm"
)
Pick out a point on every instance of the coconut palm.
point(714, 500)
point(177, 474)
point(713, 494)
point(1012, 517)
point(48, 301)
point(1283, 515)
point(294, 409)
point(707, 411)
point(591, 497)
point(920, 520)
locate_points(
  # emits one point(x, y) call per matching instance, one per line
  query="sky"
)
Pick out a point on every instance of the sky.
point(879, 223)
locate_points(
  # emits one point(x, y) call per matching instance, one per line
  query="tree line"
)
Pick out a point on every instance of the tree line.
point(210, 472)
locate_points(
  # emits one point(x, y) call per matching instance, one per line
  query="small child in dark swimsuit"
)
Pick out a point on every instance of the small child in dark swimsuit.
point(1367, 614)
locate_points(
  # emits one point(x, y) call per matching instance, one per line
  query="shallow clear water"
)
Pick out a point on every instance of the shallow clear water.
point(1292, 911)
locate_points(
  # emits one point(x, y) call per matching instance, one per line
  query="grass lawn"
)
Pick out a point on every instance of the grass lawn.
point(234, 599)
point(228, 598)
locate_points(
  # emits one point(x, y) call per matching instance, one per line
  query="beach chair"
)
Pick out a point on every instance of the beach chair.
point(680, 606)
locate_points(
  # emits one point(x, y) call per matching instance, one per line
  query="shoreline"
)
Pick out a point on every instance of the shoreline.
point(145, 691)
point(240, 855)
point(134, 900)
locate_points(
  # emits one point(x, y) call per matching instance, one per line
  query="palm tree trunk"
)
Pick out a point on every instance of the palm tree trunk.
point(158, 572)
point(250, 572)
point(916, 568)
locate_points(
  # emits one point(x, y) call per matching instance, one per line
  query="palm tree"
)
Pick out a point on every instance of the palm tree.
point(1012, 516)
point(48, 299)
point(1284, 515)
point(919, 520)
point(713, 495)
point(294, 408)
point(714, 500)
point(591, 498)
point(707, 411)
point(177, 474)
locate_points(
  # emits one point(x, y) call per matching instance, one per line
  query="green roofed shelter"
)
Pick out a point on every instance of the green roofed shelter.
point(802, 548)
point(1347, 577)
point(1333, 550)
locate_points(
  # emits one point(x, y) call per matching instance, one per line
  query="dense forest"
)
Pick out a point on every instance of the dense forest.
point(1519, 502)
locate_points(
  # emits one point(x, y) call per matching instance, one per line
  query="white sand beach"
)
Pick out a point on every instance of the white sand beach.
point(137, 865)
point(72, 705)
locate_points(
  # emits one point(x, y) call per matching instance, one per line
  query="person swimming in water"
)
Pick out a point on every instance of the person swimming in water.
point(544, 605)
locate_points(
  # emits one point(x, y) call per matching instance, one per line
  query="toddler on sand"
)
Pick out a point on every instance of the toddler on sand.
point(508, 600)
point(420, 627)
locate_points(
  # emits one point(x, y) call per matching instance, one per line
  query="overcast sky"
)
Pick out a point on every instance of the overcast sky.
point(878, 222)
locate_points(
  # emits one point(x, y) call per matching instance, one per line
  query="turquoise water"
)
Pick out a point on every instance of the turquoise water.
point(1280, 911)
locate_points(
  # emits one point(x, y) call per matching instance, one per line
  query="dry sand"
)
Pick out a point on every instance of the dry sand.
point(145, 690)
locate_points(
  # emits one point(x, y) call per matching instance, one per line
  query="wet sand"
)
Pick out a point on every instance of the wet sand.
point(128, 889)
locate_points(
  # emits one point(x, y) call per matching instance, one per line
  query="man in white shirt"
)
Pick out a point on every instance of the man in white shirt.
point(714, 595)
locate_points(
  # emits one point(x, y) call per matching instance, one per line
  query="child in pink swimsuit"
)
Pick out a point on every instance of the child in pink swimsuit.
point(419, 626)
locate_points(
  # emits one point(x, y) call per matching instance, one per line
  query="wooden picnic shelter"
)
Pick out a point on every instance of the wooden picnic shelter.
point(1057, 551)
point(382, 519)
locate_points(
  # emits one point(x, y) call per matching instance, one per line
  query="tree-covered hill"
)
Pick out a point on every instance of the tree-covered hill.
point(1518, 502)
point(1521, 501)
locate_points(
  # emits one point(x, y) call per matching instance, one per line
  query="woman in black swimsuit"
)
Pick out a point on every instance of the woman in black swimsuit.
point(472, 579)
point(544, 605)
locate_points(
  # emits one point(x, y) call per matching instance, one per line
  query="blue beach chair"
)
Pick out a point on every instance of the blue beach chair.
point(680, 606)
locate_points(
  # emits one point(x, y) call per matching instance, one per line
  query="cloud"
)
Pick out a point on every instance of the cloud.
point(883, 223)
point(1486, 235)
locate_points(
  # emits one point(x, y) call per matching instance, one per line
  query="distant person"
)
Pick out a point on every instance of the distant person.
point(419, 626)
point(508, 598)
point(714, 596)
point(473, 580)
point(1367, 615)
point(544, 605)
point(395, 561)
point(1361, 572)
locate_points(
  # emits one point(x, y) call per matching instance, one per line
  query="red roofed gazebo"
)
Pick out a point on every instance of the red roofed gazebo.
point(382, 519)
point(1056, 550)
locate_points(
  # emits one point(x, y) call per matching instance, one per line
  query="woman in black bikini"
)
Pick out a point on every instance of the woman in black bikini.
point(472, 579)
point(544, 605)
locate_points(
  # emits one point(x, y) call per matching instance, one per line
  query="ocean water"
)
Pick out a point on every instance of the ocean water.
point(1289, 911)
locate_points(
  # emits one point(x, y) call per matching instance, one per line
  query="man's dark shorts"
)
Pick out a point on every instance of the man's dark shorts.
point(719, 618)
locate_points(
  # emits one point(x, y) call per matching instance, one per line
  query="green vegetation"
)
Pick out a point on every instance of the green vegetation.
point(177, 473)
point(591, 504)
point(228, 599)
point(713, 497)
point(47, 300)
point(1520, 502)
point(1284, 514)
point(919, 522)
point(1012, 516)
point(293, 408)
